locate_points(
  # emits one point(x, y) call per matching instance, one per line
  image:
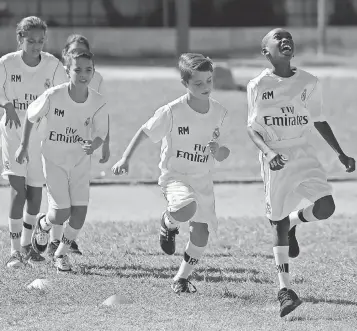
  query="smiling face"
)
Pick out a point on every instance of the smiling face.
point(278, 45)
point(81, 71)
point(200, 84)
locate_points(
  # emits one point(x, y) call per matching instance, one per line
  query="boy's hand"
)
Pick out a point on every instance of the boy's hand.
point(21, 155)
point(11, 116)
point(277, 162)
point(87, 147)
point(121, 167)
point(105, 152)
point(348, 162)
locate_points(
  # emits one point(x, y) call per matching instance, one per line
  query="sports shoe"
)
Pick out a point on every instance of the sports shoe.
point(182, 286)
point(167, 237)
point(15, 260)
point(52, 247)
point(74, 248)
point(288, 301)
point(62, 263)
point(294, 249)
point(39, 238)
point(30, 255)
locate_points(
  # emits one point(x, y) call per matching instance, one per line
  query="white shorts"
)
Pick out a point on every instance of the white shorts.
point(32, 170)
point(302, 177)
point(67, 187)
point(181, 190)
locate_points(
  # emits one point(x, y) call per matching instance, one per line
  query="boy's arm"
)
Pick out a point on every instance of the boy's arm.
point(138, 138)
point(315, 105)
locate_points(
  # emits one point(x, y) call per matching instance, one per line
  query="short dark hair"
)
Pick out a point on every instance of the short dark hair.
point(73, 55)
point(75, 38)
point(189, 62)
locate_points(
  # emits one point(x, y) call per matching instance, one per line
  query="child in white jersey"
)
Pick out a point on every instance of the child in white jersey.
point(284, 102)
point(73, 120)
point(24, 75)
point(79, 43)
point(189, 128)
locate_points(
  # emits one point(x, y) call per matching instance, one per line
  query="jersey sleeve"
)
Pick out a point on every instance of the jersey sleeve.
point(315, 104)
point(102, 88)
point(3, 75)
point(60, 75)
point(39, 108)
point(159, 125)
point(251, 99)
point(100, 123)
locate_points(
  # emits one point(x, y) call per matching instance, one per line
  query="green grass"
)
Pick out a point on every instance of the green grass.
point(236, 280)
point(135, 102)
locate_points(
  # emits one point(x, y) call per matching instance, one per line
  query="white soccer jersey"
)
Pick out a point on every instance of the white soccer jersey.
point(22, 84)
point(185, 135)
point(97, 83)
point(65, 124)
point(282, 109)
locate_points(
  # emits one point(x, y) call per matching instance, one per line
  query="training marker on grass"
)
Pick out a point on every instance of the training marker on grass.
point(117, 299)
point(39, 284)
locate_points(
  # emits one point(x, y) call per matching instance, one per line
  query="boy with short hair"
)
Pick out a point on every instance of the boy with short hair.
point(189, 129)
point(283, 103)
point(73, 120)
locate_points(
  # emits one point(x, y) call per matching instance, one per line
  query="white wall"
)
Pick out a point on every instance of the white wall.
point(159, 41)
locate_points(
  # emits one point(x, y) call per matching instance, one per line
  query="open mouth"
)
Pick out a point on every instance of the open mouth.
point(286, 49)
point(206, 93)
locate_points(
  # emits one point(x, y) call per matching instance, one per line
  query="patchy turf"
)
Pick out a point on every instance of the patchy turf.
point(236, 281)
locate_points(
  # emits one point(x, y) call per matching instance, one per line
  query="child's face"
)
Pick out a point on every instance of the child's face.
point(32, 44)
point(78, 47)
point(200, 85)
point(279, 45)
point(81, 71)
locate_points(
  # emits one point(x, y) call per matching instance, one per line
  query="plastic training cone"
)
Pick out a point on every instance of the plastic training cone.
point(39, 284)
point(117, 299)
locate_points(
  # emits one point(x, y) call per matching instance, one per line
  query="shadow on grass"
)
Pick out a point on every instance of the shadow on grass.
point(266, 256)
point(332, 301)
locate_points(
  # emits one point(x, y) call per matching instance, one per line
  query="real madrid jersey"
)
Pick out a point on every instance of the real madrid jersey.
point(283, 108)
point(22, 84)
point(66, 124)
point(185, 134)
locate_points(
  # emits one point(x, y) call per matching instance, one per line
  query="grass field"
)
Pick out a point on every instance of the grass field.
point(236, 280)
point(135, 101)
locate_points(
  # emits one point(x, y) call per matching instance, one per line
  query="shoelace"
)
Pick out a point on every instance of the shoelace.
point(170, 234)
point(285, 296)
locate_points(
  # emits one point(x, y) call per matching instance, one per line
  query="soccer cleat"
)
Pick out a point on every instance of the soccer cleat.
point(74, 248)
point(39, 238)
point(288, 301)
point(52, 247)
point(15, 260)
point(182, 285)
point(62, 263)
point(167, 237)
point(294, 249)
point(30, 255)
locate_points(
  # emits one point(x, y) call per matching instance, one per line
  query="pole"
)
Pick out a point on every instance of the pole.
point(321, 26)
point(165, 13)
point(182, 26)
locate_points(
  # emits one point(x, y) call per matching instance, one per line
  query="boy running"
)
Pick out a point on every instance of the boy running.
point(73, 120)
point(283, 103)
point(189, 130)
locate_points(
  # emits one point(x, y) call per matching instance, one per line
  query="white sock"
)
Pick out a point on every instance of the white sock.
point(45, 223)
point(170, 222)
point(69, 235)
point(190, 259)
point(281, 254)
point(56, 232)
point(27, 229)
point(302, 216)
point(15, 227)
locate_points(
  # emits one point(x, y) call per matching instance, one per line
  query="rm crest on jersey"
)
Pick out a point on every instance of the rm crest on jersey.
point(216, 134)
point(47, 83)
point(303, 95)
point(86, 123)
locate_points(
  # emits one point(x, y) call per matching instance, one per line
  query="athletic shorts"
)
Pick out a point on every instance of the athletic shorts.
point(180, 190)
point(303, 177)
point(67, 187)
point(10, 141)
